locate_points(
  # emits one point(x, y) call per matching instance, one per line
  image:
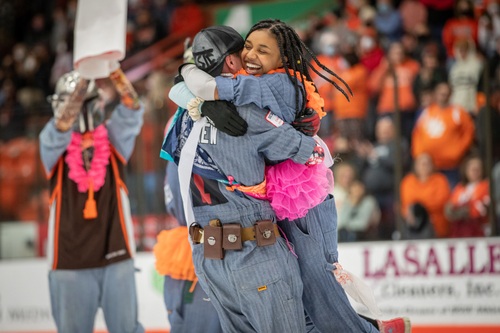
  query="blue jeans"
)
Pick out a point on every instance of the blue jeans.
point(189, 312)
point(75, 296)
point(315, 242)
point(256, 289)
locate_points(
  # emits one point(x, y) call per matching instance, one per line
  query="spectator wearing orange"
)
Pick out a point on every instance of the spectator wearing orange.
point(382, 84)
point(18, 176)
point(429, 189)
point(350, 116)
point(462, 26)
point(414, 16)
point(351, 14)
point(468, 206)
point(328, 46)
point(445, 132)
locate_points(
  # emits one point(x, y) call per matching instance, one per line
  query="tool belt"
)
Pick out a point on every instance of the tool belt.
point(217, 237)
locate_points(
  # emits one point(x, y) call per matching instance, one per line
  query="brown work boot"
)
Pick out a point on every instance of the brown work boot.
point(395, 325)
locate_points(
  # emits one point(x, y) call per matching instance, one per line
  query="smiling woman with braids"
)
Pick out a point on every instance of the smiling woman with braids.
point(276, 77)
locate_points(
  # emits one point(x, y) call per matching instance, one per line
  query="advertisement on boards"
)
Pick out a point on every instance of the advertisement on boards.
point(447, 285)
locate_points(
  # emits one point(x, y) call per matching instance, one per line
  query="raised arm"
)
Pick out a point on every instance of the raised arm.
point(222, 114)
point(126, 120)
point(56, 135)
point(200, 83)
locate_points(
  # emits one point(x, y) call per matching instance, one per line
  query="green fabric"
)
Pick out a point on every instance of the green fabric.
point(242, 17)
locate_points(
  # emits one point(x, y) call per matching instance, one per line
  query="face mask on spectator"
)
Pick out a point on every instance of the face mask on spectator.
point(367, 43)
point(383, 8)
point(329, 50)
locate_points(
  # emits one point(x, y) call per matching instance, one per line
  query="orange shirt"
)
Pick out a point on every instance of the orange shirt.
point(432, 194)
point(444, 133)
point(351, 12)
point(325, 89)
point(475, 196)
point(458, 28)
point(355, 77)
point(381, 81)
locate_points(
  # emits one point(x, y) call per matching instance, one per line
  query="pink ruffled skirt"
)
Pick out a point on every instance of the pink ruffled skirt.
point(293, 189)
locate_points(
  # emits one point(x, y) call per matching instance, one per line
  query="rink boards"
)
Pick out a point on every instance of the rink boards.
point(444, 286)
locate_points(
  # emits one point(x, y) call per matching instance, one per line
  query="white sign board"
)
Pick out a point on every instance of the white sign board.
point(25, 300)
point(453, 282)
point(437, 283)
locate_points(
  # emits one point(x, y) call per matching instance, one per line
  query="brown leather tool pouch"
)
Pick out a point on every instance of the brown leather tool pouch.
point(195, 232)
point(264, 233)
point(231, 236)
point(212, 242)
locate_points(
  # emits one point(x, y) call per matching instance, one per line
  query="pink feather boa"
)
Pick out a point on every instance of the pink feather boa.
point(100, 160)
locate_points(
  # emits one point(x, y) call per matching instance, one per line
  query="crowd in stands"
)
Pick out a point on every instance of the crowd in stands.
point(425, 76)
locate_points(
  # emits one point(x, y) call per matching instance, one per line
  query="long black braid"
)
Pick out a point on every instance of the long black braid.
point(293, 52)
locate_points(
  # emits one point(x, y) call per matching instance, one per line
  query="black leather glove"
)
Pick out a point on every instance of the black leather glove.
point(224, 117)
point(178, 78)
point(307, 122)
